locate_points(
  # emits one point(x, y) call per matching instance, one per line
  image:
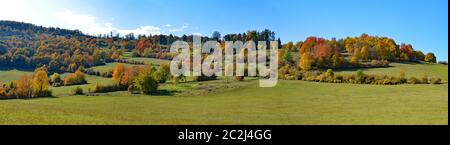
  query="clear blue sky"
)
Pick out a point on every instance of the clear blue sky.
point(423, 23)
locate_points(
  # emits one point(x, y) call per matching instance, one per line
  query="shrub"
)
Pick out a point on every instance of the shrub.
point(58, 84)
point(239, 78)
point(430, 58)
point(76, 78)
point(55, 78)
point(92, 72)
point(387, 81)
point(360, 77)
point(371, 79)
point(402, 79)
point(77, 91)
point(339, 78)
point(436, 80)
point(134, 88)
point(329, 73)
point(413, 80)
point(425, 79)
point(147, 83)
point(290, 77)
point(204, 78)
point(443, 62)
point(298, 75)
point(44, 93)
point(385, 63)
point(283, 71)
point(163, 73)
point(179, 78)
point(107, 74)
point(109, 88)
point(321, 78)
point(395, 80)
point(374, 63)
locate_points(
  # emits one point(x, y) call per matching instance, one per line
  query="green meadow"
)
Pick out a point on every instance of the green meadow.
point(410, 70)
point(232, 102)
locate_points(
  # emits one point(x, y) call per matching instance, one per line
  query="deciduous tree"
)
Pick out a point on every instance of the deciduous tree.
point(40, 83)
point(306, 62)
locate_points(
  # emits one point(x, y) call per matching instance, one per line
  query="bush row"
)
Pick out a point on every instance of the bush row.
point(109, 88)
point(130, 61)
point(358, 78)
point(107, 74)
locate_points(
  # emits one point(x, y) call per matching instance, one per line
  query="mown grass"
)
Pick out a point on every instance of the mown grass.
point(218, 102)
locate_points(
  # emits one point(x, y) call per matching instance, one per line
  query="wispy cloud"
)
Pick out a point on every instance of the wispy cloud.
point(27, 11)
point(89, 25)
point(173, 30)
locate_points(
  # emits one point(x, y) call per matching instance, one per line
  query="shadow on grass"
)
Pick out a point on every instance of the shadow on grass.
point(13, 98)
point(165, 92)
point(18, 68)
point(357, 68)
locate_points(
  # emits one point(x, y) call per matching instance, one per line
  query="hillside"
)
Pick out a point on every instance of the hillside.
point(22, 30)
point(362, 84)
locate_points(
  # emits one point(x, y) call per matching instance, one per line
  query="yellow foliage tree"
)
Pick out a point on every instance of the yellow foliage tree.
point(364, 53)
point(305, 62)
point(40, 82)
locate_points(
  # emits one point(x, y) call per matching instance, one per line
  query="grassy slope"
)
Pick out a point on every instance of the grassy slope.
point(152, 60)
point(291, 102)
point(110, 67)
point(411, 70)
point(7, 76)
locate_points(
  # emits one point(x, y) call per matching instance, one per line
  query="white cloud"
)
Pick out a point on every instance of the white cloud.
point(52, 14)
point(142, 30)
point(89, 25)
point(173, 30)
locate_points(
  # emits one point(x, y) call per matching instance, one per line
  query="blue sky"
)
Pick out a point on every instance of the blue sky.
point(423, 23)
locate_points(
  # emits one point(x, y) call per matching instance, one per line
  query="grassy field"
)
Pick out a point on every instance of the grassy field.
point(150, 60)
point(410, 70)
point(8, 75)
point(218, 102)
point(110, 66)
point(291, 102)
point(154, 61)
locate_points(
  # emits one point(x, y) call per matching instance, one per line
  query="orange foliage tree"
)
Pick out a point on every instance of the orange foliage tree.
point(24, 88)
point(118, 73)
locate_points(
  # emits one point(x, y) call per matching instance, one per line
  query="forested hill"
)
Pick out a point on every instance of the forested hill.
point(24, 45)
point(30, 31)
